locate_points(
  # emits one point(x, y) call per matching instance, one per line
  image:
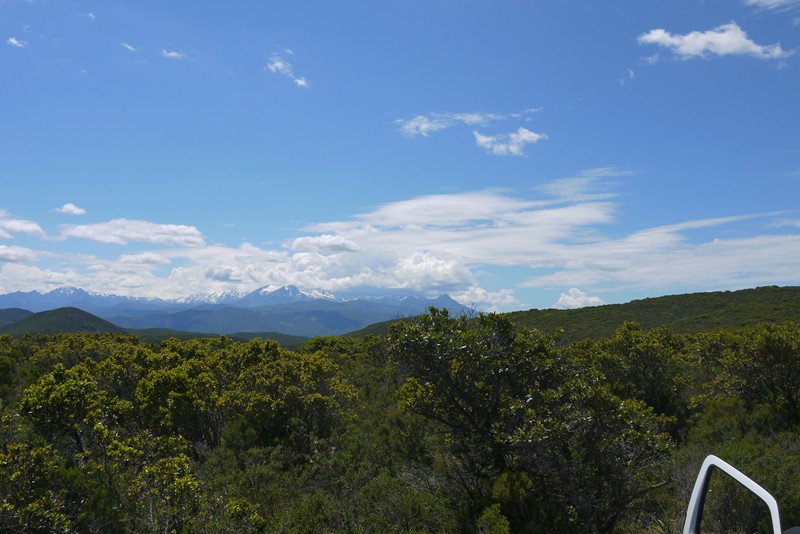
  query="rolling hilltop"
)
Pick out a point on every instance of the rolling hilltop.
point(692, 312)
point(59, 321)
point(687, 313)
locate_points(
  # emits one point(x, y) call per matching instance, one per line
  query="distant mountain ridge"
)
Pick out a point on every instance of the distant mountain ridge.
point(287, 310)
point(61, 297)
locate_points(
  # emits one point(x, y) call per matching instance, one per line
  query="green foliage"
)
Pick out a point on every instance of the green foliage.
point(763, 367)
point(492, 521)
point(690, 313)
point(449, 424)
point(563, 449)
point(60, 320)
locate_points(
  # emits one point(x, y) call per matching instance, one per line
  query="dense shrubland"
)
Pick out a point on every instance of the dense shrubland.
point(448, 424)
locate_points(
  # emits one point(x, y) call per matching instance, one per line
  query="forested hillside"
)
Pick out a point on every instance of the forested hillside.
point(448, 424)
point(693, 312)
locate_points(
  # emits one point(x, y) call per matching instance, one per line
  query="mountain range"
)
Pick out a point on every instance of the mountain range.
point(287, 310)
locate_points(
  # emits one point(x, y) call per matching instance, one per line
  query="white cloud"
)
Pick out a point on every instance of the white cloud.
point(427, 124)
point(145, 258)
point(173, 54)
point(16, 254)
point(631, 75)
point(511, 144)
point(91, 16)
point(559, 237)
point(132, 48)
point(772, 4)
point(575, 298)
point(122, 231)
point(223, 273)
point(10, 226)
point(483, 300)
point(71, 209)
point(726, 39)
point(13, 41)
point(432, 271)
point(278, 65)
point(323, 243)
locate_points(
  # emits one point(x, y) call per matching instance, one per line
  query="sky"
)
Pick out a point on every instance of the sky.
point(514, 154)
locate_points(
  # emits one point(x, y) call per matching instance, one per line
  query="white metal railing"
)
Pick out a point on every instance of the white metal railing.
point(694, 513)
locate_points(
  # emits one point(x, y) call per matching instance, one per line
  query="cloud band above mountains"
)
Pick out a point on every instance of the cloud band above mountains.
point(435, 243)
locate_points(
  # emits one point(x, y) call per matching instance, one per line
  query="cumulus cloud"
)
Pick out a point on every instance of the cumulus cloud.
point(726, 39)
point(223, 273)
point(432, 271)
point(575, 298)
point(71, 209)
point(172, 54)
point(511, 144)
point(13, 41)
point(123, 231)
point(481, 299)
point(16, 254)
point(278, 65)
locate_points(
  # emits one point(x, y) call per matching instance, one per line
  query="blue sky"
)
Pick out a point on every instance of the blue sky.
point(513, 154)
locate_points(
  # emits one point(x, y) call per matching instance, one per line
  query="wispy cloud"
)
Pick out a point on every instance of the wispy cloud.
point(278, 65)
point(71, 209)
point(772, 4)
point(130, 47)
point(504, 144)
point(172, 54)
point(650, 60)
point(91, 16)
point(16, 254)
point(13, 41)
point(565, 235)
point(145, 258)
point(511, 144)
point(429, 123)
point(9, 226)
point(631, 75)
point(123, 231)
point(724, 40)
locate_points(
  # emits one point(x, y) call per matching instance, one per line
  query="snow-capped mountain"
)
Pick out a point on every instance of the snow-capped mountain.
point(286, 309)
point(265, 296)
point(218, 297)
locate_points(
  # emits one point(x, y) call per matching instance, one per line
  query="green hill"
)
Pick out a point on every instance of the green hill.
point(10, 316)
point(76, 320)
point(61, 320)
point(687, 313)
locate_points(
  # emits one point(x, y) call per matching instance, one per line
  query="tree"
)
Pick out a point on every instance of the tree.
point(764, 367)
point(528, 426)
